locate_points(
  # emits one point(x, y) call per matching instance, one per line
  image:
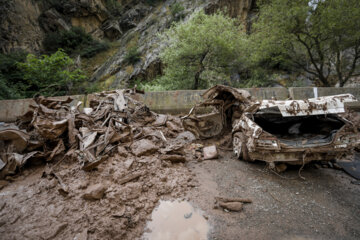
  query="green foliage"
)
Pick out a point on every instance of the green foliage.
point(132, 56)
point(152, 2)
point(11, 77)
point(320, 37)
point(114, 7)
point(50, 75)
point(177, 10)
point(258, 77)
point(201, 52)
point(74, 42)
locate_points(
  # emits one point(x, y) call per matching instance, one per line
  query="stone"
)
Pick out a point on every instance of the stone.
point(210, 152)
point(82, 236)
point(143, 147)
point(95, 192)
point(232, 206)
point(122, 151)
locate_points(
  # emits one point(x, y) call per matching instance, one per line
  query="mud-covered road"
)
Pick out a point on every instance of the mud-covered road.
point(324, 206)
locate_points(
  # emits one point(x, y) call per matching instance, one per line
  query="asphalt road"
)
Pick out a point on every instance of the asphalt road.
point(326, 205)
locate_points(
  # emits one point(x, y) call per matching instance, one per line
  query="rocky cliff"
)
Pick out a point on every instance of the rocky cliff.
point(115, 72)
point(134, 24)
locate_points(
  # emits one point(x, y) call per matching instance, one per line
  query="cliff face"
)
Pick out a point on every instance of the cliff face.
point(24, 23)
point(19, 26)
point(136, 23)
point(115, 72)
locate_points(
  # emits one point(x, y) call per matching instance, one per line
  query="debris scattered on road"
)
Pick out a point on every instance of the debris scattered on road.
point(95, 192)
point(231, 204)
point(351, 166)
point(210, 152)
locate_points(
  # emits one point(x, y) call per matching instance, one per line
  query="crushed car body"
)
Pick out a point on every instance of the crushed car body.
point(290, 131)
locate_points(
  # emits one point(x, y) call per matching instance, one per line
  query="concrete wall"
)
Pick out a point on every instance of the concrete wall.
point(177, 102)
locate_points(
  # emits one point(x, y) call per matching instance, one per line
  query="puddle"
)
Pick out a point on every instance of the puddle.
point(176, 220)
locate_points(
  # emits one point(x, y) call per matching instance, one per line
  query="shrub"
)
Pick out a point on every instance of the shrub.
point(114, 7)
point(152, 2)
point(176, 10)
point(132, 56)
point(50, 75)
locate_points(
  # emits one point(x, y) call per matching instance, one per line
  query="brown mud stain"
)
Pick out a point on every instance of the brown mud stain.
point(176, 220)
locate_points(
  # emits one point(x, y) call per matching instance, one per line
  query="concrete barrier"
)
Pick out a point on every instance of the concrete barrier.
point(178, 102)
point(11, 109)
point(311, 92)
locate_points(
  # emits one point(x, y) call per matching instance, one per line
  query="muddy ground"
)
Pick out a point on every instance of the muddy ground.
point(324, 206)
point(116, 199)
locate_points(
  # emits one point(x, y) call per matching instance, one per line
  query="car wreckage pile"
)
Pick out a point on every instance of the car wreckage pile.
point(277, 132)
point(54, 129)
point(142, 154)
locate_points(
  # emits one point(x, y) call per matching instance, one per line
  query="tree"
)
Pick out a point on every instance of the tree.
point(201, 51)
point(321, 37)
point(50, 75)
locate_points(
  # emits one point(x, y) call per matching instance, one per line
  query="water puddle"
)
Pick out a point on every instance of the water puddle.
point(176, 220)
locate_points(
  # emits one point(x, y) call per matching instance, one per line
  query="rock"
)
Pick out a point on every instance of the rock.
point(111, 28)
point(232, 206)
point(128, 163)
point(143, 147)
point(132, 17)
point(56, 230)
point(210, 152)
point(122, 151)
point(173, 126)
point(82, 236)
point(95, 192)
point(52, 20)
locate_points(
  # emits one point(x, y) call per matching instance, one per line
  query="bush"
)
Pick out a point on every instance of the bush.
point(75, 41)
point(176, 10)
point(114, 7)
point(152, 2)
point(132, 56)
point(50, 75)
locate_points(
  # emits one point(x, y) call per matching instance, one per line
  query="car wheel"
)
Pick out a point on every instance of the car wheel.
point(240, 148)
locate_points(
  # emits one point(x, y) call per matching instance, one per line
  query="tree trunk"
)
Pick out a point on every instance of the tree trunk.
point(197, 80)
point(202, 68)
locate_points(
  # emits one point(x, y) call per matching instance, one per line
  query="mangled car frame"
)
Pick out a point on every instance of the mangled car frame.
point(291, 131)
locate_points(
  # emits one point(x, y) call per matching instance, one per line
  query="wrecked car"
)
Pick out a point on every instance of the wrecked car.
point(291, 131)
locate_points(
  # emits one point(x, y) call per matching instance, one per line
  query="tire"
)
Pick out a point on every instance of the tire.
point(240, 148)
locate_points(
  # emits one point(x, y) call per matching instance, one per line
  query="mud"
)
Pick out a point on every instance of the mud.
point(34, 209)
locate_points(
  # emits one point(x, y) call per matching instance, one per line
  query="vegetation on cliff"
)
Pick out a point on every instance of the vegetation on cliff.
point(201, 52)
point(24, 76)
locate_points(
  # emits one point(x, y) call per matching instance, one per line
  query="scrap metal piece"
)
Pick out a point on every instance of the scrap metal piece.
point(19, 139)
point(223, 101)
